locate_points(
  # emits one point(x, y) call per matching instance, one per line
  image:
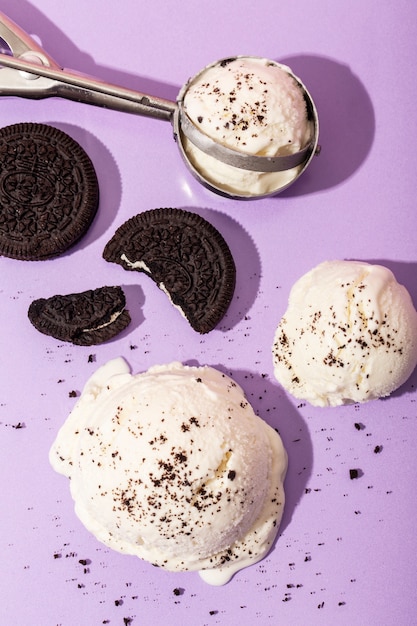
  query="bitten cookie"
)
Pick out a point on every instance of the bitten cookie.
point(85, 319)
point(185, 256)
point(48, 191)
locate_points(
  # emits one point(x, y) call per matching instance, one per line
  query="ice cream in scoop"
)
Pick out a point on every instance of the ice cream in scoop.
point(173, 466)
point(256, 107)
point(349, 335)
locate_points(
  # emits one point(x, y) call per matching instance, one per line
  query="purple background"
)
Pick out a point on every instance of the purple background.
point(346, 550)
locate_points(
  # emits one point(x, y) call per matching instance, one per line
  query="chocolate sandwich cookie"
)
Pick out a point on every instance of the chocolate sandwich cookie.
point(186, 257)
point(48, 191)
point(85, 319)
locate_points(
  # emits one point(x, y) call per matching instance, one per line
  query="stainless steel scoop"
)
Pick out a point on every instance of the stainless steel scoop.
point(27, 71)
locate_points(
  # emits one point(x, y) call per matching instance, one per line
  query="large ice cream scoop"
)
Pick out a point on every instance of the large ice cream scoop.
point(349, 335)
point(173, 466)
point(246, 126)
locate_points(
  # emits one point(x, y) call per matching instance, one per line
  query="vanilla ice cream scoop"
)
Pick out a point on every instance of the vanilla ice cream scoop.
point(257, 109)
point(173, 466)
point(349, 335)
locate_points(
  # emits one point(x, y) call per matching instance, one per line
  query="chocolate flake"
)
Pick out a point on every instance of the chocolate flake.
point(178, 591)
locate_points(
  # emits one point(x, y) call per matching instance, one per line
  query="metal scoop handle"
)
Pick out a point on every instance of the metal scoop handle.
point(39, 76)
point(72, 86)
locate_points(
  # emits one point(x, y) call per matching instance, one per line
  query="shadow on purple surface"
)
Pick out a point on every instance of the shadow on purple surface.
point(135, 300)
point(346, 122)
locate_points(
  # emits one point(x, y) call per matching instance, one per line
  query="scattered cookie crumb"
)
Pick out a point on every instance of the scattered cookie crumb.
point(178, 591)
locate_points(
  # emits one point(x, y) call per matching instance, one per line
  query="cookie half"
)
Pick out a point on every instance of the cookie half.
point(48, 191)
point(185, 255)
point(85, 319)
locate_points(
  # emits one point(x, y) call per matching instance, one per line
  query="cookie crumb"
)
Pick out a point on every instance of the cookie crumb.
point(178, 591)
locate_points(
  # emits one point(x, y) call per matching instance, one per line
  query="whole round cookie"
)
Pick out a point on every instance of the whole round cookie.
point(48, 191)
point(185, 256)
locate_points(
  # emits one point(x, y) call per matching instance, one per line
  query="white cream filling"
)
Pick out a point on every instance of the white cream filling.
point(141, 265)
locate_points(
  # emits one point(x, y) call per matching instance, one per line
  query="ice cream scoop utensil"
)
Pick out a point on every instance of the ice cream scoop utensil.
point(30, 72)
point(26, 70)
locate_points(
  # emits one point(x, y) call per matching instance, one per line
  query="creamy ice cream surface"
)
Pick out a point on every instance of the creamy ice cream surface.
point(251, 105)
point(349, 335)
point(173, 466)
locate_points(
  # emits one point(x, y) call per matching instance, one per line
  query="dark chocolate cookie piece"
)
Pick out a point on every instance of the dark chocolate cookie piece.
point(48, 191)
point(85, 319)
point(185, 255)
